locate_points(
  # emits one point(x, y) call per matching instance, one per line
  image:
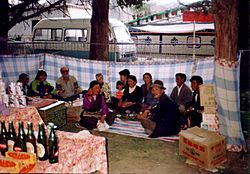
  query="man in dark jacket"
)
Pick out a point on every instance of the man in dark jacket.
point(164, 118)
point(194, 108)
point(181, 94)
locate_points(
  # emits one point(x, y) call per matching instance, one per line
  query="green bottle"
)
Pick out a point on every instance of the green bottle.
point(20, 144)
point(3, 139)
point(31, 139)
point(42, 150)
point(11, 135)
point(53, 146)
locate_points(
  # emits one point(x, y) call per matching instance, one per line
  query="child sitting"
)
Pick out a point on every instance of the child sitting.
point(120, 90)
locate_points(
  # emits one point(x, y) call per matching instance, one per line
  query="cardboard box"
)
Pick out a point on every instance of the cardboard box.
point(207, 97)
point(54, 113)
point(210, 126)
point(209, 118)
point(209, 110)
point(207, 149)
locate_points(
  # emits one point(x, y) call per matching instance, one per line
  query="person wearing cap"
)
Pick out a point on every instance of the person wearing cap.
point(193, 108)
point(41, 87)
point(132, 97)
point(181, 94)
point(67, 86)
point(94, 103)
point(164, 118)
point(24, 79)
point(124, 77)
point(105, 88)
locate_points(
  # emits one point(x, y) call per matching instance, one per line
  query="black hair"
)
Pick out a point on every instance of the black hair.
point(93, 83)
point(22, 76)
point(39, 73)
point(198, 79)
point(182, 76)
point(132, 77)
point(119, 83)
point(124, 72)
point(147, 74)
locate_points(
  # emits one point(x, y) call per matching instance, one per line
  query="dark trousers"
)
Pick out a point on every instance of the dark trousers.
point(71, 98)
point(195, 118)
point(90, 122)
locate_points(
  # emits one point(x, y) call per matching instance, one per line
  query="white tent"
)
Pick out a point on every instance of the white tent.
point(175, 28)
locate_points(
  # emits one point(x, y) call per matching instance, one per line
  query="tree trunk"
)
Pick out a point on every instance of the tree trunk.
point(226, 29)
point(99, 30)
point(4, 20)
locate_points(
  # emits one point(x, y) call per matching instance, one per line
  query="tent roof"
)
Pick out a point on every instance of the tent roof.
point(175, 28)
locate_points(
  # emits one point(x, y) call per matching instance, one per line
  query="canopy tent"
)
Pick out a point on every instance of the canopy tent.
point(175, 28)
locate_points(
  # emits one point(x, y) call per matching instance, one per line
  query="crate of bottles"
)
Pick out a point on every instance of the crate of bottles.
point(54, 113)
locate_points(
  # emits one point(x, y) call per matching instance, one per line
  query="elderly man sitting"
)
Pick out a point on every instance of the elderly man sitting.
point(67, 86)
point(164, 118)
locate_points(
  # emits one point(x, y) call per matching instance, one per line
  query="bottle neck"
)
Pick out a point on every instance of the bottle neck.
point(11, 128)
point(52, 133)
point(30, 129)
point(3, 128)
point(20, 129)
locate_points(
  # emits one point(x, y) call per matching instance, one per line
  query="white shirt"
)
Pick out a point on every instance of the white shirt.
point(132, 89)
point(179, 89)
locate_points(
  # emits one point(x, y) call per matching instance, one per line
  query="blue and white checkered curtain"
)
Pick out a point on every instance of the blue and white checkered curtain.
point(85, 70)
point(228, 99)
point(12, 66)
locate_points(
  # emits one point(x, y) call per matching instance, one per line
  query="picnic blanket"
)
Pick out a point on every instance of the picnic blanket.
point(134, 129)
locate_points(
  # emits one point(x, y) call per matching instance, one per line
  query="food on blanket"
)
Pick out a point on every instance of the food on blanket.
point(23, 158)
point(27, 168)
point(8, 166)
point(17, 162)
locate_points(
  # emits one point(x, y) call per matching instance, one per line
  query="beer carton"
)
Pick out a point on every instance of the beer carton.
point(207, 97)
point(209, 110)
point(207, 149)
point(210, 126)
point(209, 118)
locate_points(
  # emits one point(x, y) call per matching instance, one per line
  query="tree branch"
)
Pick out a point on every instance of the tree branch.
point(39, 9)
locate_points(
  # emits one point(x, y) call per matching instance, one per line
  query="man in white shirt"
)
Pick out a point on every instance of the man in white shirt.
point(67, 86)
point(181, 94)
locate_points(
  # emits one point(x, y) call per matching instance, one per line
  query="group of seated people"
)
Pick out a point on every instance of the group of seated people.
point(160, 115)
point(67, 88)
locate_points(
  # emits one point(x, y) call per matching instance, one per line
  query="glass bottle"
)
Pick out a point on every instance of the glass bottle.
point(42, 150)
point(11, 136)
point(31, 139)
point(3, 139)
point(20, 144)
point(53, 146)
